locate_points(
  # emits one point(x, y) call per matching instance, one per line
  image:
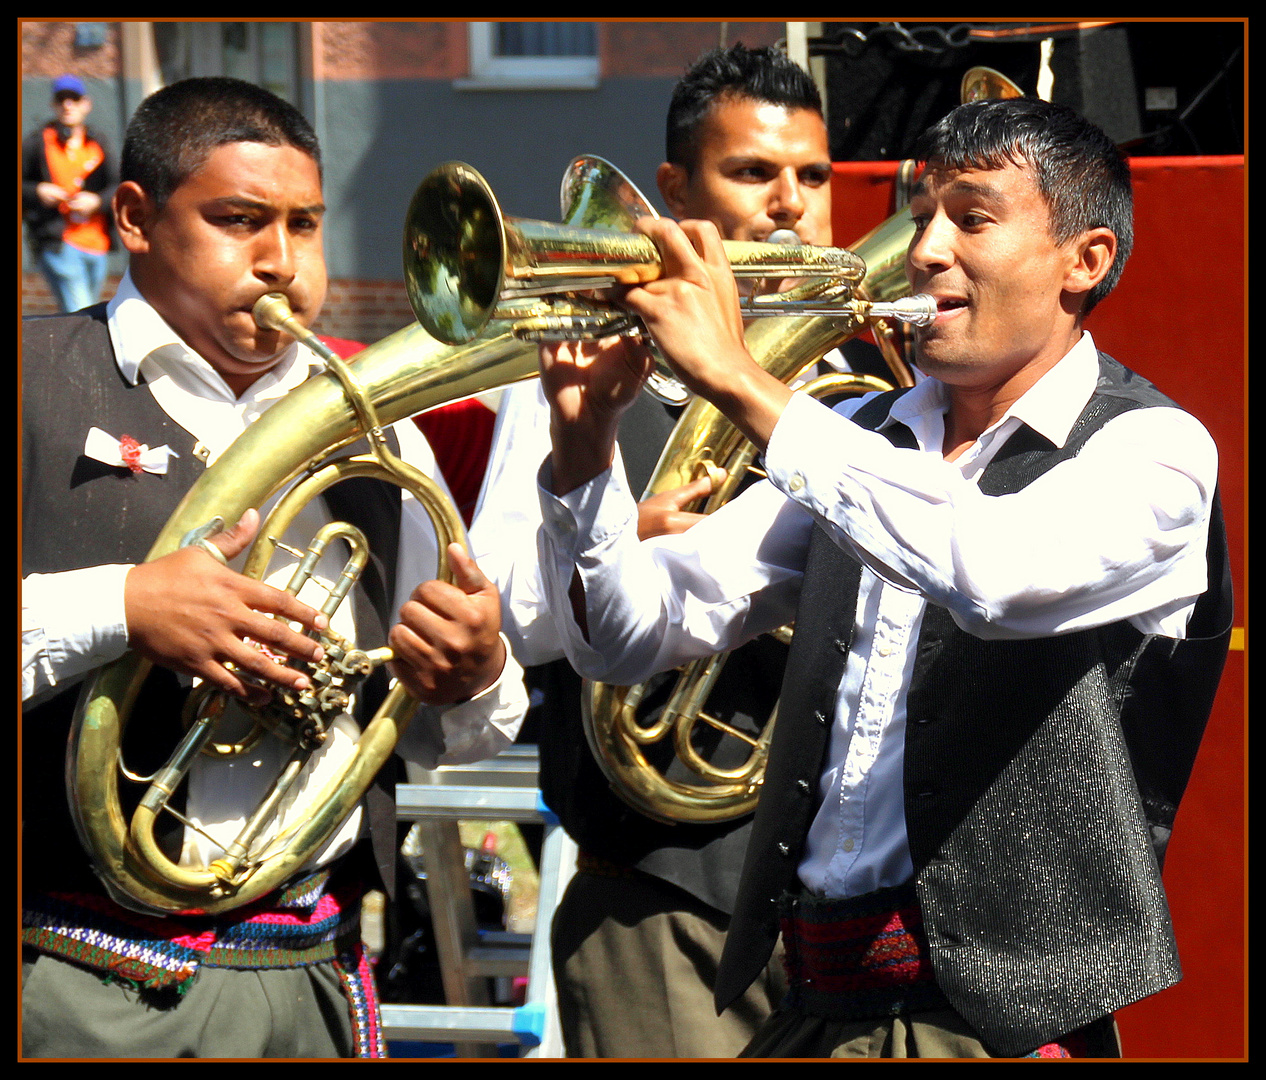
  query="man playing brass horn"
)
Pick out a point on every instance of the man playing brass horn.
point(1012, 607)
point(640, 929)
point(125, 405)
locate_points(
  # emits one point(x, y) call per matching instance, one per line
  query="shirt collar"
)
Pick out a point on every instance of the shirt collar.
point(146, 345)
point(1050, 406)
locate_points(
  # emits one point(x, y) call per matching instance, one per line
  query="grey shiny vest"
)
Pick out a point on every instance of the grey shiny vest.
point(1041, 779)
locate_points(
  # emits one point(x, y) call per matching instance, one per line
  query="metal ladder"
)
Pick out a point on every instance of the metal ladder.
point(501, 789)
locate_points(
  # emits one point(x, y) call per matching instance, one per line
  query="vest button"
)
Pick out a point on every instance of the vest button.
point(784, 848)
point(841, 645)
point(820, 716)
point(802, 786)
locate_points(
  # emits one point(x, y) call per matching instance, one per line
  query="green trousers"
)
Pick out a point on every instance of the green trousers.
point(69, 1011)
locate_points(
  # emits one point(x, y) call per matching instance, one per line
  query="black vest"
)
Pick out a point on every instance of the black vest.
point(1041, 779)
point(77, 512)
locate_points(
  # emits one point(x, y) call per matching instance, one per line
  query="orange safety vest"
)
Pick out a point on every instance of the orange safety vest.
point(68, 167)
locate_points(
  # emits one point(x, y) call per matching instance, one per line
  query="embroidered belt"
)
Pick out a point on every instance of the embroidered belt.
point(867, 957)
point(311, 922)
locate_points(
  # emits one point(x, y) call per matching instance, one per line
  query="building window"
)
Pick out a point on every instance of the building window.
point(532, 56)
point(264, 53)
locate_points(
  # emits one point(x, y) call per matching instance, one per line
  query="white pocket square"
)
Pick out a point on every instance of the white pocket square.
point(126, 453)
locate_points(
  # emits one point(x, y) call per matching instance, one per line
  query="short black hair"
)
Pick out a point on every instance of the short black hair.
point(175, 130)
point(766, 75)
point(1080, 172)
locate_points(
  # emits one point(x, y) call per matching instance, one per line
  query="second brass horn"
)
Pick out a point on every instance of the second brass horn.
point(623, 742)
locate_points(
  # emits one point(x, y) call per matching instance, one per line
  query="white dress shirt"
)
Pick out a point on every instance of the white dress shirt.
point(73, 622)
point(1118, 532)
point(508, 515)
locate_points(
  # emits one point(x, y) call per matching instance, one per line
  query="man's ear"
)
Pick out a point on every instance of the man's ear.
point(673, 181)
point(1094, 251)
point(134, 213)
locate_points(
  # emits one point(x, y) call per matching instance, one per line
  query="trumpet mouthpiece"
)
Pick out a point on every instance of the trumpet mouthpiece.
point(919, 310)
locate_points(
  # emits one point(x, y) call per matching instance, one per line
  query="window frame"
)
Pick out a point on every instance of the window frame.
point(489, 71)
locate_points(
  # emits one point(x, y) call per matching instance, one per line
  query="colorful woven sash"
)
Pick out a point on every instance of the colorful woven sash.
point(314, 921)
point(858, 958)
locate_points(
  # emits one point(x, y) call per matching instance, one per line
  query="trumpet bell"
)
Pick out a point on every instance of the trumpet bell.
point(454, 246)
point(469, 264)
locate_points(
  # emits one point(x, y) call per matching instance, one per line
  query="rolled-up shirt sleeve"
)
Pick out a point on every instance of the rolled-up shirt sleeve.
point(1116, 532)
point(473, 730)
point(489, 722)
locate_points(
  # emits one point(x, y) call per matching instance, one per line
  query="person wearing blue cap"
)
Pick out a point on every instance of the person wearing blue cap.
point(68, 178)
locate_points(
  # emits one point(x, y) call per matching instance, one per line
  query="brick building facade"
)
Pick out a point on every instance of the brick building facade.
point(389, 101)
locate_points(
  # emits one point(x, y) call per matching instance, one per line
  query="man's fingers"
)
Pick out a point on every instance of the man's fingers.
point(688, 493)
point(676, 250)
point(234, 540)
point(245, 657)
point(277, 602)
point(705, 239)
point(280, 638)
point(466, 574)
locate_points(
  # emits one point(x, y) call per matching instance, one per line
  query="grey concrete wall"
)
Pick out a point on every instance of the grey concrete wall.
point(380, 138)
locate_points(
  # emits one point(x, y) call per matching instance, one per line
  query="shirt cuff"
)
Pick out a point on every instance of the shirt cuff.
point(489, 722)
point(72, 622)
point(805, 427)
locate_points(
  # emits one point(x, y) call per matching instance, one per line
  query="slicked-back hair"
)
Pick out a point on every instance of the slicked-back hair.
point(765, 75)
point(1079, 171)
point(176, 129)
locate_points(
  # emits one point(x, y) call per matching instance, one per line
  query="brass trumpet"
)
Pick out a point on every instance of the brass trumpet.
point(474, 265)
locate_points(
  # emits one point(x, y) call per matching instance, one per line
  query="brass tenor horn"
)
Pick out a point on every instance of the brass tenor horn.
point(297, 445)
point(704, 440)
point(294, 443)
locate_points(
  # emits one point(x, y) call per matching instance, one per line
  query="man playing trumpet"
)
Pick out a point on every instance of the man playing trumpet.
point(639, 932)
point(1011, 602)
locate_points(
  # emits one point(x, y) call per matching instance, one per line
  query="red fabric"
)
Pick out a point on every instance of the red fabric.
point(342, 347)
point(461, 436)
point(459, 433)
